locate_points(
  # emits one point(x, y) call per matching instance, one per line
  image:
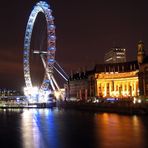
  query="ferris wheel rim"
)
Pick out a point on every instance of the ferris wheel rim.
point(44, 8)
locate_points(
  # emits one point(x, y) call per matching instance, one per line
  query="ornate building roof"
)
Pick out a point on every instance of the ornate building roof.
point(117, 67)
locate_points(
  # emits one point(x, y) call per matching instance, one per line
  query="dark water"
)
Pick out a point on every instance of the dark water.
point(46, 128)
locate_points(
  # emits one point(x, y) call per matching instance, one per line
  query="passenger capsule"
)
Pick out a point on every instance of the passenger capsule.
point(51, 61)
point(52, 37)
point(46, 81)
point(25, 51)
point(50, 18)
point(51, 27)
point(52, 48)
point(25, 61)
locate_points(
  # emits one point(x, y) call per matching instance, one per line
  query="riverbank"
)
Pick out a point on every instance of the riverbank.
point(116, 107)
point(21, 106)
point(120, 107)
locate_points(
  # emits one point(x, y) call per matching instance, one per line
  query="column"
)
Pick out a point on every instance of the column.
point(80, 93)
point(86, 94)
point(110, 88)
point(123, 89)
point(135, 89)
point(101, 91)
point(97, 88)
point(127, 88)
point(114, 88)
point(105, 89)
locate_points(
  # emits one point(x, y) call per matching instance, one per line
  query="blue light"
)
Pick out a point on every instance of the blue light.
point(46, 81)
point(49, 11)
point(51, 27)
point(52, 37)
point(25, 51)
point(112, 99)
point(50, 18)
point(52, 48)
point(25, 61)
point(51, 61)
point(43, 4)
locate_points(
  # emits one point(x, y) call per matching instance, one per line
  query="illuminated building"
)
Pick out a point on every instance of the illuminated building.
point(9, 92)
point(115, 55)
point(115, 80)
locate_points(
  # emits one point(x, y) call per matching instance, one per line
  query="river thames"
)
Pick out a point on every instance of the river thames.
point(59, 128)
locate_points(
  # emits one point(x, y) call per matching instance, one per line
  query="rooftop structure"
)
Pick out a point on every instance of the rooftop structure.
point(115, 55)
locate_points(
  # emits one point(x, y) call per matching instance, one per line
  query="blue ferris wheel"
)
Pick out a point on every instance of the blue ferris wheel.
point(47, 57)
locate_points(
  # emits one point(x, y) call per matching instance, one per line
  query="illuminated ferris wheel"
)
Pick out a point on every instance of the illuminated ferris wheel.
point(48, 56)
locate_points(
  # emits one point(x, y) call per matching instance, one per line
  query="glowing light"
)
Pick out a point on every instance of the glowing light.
point(31, 90)
point(17, 98)
point(134, 101)
point(111, 99)
point(31, 93)
point(96, 101)
point(44, 96)
point(139, 101)
point(57, 94)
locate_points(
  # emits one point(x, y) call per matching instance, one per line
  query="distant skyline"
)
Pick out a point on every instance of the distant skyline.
point(85, 31)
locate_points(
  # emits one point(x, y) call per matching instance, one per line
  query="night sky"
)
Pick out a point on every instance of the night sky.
point(85, 31)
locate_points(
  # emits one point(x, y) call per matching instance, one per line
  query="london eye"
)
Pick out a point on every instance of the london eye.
point(47, 56)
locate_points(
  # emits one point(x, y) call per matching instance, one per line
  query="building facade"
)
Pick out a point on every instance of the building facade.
point(78, 86)
point(117, 80)
point(143, 70)
point(115, 55)
point(113, 80)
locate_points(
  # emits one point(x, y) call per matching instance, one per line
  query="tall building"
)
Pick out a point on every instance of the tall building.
point(140, 52)
point(115, 55)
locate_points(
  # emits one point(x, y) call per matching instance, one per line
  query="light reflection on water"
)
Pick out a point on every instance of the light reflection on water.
point(30, 132)
point(38, 129)
point(116, 131)
point(47, 128)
